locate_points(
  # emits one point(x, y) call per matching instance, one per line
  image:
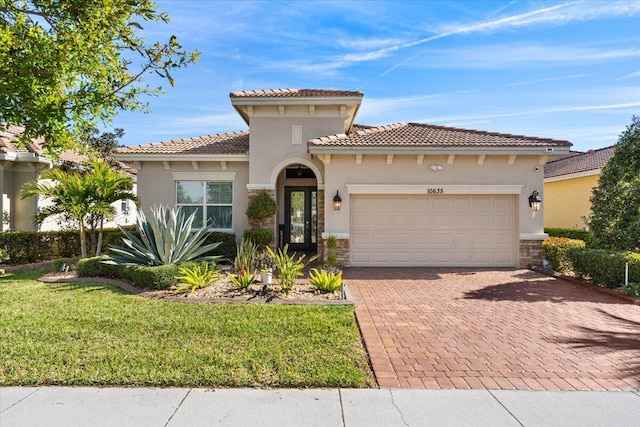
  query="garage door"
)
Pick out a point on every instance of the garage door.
point(437, 231)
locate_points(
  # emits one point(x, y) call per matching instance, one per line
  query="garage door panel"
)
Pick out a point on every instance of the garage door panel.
point(433, 230)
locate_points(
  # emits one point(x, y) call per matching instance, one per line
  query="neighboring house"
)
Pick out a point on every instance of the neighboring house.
point(19, 165)
point(411, 194)
point(568, 183)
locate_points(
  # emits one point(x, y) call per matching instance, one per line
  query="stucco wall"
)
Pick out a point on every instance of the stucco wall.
point(23, 211)
point(271, 142)
point(156, 186)
point(374, 169)
point(568, 201)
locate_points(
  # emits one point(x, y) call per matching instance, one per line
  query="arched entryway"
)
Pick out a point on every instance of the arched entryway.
point(300, 198)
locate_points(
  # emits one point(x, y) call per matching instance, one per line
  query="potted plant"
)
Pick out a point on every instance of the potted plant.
point(264, 263)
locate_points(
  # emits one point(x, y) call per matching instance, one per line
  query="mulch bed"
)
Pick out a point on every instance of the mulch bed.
point(222, 292)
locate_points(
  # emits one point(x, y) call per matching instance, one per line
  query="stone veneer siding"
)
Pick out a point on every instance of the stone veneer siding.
point(341, 251)
point(530, 253)
point(269, 223)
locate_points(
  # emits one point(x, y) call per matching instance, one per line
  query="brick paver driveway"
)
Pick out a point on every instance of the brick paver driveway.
point(498, 329)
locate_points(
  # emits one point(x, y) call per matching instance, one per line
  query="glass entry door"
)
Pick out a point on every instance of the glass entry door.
point(301, 218)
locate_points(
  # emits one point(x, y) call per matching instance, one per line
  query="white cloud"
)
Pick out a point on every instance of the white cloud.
point(547, 80)
point(630, 76)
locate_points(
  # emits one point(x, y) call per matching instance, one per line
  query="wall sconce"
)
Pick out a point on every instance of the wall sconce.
point(337, 201)
point(435, 168)
point(535, 201)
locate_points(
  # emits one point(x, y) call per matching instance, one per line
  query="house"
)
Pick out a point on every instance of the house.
point(19, 165)
point(407, 194)
point(568, 183)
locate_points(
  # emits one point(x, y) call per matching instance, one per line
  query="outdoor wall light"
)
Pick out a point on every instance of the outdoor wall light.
point(435, 168)
point(535, 201)
point(337, 201)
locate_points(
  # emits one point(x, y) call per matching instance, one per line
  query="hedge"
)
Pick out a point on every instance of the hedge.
point(260, 236)
point(605, 267)
point(555, 251)
point(143, 277)
point(25, 247)
point(227, 248)
point(570, 233)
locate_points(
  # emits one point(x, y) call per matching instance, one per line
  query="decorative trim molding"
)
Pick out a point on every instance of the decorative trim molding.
point(574, 175)
point(261, 187)
point(204, 176)
point(534, 236)
point(339, 236)
point(429, 189)
point(296, 160)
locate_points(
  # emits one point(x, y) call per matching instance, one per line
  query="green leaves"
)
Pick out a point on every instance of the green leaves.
point(194, 277)
point(326, 281)
point(615, 210)
point(166, 238)
point(81, 194)
point(67, 66)
point(289, 267)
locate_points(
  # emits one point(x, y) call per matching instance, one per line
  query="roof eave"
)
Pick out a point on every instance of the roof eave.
point(534, 151)
point(177, 157)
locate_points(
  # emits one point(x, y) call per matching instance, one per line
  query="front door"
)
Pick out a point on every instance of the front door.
point(301, 218)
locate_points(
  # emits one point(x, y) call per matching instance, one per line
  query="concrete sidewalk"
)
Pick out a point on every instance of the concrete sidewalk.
point(82, 406)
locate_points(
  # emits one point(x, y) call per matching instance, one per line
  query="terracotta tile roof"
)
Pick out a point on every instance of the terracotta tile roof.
point(222, 143)
point(591, 160)
point(8, 137)
point(298, 93)
point(423, 135)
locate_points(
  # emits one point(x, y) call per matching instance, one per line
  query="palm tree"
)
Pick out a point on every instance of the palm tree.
point(85, 196)
point(68, 194)
point(107, 187)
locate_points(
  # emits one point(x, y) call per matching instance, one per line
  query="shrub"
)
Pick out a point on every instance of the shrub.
point(632, 288)
point(289, 268)
point(245, 256)
point(586, 236)
point(555, 251)
point(95, 267)
point(261, 207)
point(150, 277)
point(260, 236)
point(196, 276)
point(227, 245)
point(243, 279)
point(326, 280)
point(605, 267)
point(166, 238)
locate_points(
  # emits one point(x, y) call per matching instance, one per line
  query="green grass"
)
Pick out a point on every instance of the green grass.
point(94, 334)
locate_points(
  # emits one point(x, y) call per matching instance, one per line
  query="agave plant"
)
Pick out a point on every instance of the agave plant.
point(165, 238)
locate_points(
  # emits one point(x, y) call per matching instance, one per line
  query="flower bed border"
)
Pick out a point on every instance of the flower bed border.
point(601, 288)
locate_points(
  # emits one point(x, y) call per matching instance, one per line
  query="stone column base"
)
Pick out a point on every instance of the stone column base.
point(531, 252)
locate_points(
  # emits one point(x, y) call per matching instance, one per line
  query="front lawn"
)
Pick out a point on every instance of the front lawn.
point(94, 334)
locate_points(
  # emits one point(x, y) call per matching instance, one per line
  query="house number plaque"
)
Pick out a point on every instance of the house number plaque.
point(435, 190)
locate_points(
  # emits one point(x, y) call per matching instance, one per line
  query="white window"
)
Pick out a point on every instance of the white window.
point(212, 201)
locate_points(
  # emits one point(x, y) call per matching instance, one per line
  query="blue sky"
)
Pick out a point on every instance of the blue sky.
point(566, 70)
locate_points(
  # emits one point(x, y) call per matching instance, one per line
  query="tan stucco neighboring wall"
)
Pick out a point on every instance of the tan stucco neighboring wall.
point(23, 211)
point(156, 185)
point(405, 170)
point(567, 201)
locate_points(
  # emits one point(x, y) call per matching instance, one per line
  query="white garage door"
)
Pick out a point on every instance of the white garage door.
point(437, 231)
